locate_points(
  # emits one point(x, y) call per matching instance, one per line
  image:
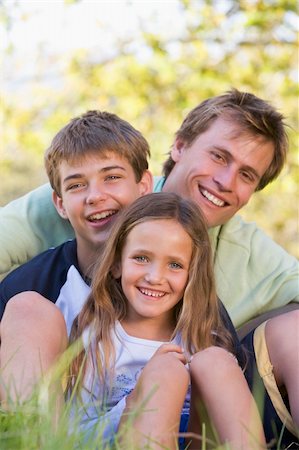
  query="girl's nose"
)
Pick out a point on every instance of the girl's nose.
point(154, 275)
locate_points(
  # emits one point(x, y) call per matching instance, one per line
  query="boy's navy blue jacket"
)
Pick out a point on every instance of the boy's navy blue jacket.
point(55, 274)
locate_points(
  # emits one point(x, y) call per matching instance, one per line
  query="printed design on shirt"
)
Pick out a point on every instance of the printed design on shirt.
point(124, 383)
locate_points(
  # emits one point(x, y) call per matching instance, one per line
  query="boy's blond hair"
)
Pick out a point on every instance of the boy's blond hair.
point(96, 132)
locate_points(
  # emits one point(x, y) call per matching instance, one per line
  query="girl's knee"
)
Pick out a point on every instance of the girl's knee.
point(213, 358)
point(165, 369)
point(164, 377)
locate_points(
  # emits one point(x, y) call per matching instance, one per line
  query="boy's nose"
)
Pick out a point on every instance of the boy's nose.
point(95, 195)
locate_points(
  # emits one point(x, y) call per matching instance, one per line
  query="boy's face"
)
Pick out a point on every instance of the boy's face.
point(93, 191)
point(220, 170)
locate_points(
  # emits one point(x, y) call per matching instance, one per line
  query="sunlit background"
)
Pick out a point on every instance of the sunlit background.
point(150, 62)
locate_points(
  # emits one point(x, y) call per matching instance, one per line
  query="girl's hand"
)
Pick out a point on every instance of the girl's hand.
point(175, 350)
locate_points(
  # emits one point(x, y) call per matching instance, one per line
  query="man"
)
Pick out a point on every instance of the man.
point(227, 148)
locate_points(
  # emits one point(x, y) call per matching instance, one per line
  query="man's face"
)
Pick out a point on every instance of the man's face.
point(220, 170)
point(93, 191)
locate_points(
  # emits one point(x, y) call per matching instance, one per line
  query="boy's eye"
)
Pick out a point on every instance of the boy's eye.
point(112, 177)
point(175, 265)
point(74, 186)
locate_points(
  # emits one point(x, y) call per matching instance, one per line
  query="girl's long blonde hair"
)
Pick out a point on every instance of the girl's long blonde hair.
point(197, 314)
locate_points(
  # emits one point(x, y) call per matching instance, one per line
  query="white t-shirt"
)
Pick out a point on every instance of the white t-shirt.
point(104, 403)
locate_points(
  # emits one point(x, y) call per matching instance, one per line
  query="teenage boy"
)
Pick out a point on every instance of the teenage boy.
point(97, 164)
point(227, 148)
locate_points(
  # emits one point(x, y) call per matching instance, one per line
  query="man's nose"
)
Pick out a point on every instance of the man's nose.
point(226, 179)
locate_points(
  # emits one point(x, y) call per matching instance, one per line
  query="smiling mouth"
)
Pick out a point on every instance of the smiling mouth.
point(150, 293)
point(100, 216)
point(214, 200)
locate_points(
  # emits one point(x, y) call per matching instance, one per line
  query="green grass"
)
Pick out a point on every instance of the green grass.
point(31, 425)
point(27, 428)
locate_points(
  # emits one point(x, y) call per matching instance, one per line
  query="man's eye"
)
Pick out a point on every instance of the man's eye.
point(217, 156)
point(247, 177)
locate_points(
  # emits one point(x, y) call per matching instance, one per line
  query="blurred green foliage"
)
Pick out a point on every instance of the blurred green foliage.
point(153, 78)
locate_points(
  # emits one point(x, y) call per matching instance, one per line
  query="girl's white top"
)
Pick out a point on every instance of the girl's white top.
point(103, 403)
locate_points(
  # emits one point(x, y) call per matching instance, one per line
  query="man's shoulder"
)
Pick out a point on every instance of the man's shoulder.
point(241, 233)
point(41, 196)
point(238, 226)
point(240, 239)
point(158, 183)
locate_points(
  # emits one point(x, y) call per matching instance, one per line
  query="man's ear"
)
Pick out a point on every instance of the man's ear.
point(146, 183)
point(58, 203)
point(116, 270)
point(178, 149)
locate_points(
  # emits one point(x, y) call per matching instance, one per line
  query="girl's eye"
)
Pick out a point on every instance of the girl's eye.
point(141, 258)
point(175, 265)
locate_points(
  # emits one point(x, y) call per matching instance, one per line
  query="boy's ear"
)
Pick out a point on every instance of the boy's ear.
point(178, 149)
point(58, 203)
point(146, 183)
point(116, 270)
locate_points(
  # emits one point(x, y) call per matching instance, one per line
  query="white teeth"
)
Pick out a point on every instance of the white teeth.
point(151, 293)
point(216, 201)
point(101, 215)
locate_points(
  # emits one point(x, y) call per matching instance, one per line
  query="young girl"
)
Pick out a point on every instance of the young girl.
point(157, 353)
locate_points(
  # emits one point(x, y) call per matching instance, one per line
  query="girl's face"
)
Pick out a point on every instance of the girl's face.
point(154, 269)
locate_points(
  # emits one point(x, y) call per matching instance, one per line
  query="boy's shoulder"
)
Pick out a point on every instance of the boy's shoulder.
point(54, 257)
point(45, 273)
